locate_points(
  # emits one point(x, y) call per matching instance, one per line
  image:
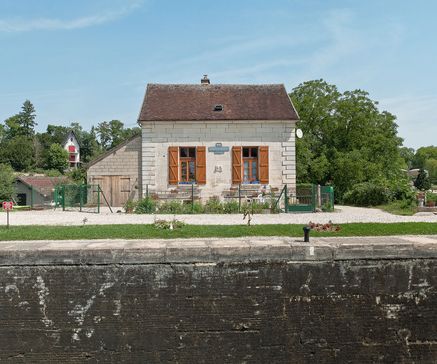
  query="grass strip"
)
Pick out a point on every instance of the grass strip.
point(87, 232)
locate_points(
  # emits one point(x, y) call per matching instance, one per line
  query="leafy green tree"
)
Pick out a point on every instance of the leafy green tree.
point(112, 133)
point(6, 182)
point(18, 152)
point(407, 155)
point(57, 158)
point(431, 167)
point(423, 154)
point(347, 140)
point(422, 181)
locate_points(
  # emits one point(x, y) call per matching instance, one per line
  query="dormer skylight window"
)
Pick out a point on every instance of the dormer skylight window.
point(218, 107)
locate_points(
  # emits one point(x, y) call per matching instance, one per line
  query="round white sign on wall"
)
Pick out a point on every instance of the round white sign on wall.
point(299, 133)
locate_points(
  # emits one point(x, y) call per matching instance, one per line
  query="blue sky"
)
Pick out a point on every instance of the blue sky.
point(90, 60)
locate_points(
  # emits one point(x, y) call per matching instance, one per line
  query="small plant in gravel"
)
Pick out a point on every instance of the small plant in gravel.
point(329, 227)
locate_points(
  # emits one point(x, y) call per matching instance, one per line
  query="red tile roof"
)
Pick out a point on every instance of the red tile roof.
point(197, 102)
point(42, 184)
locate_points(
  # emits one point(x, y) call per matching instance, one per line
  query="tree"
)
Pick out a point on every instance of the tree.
point(347, 140)
point(431, 167)
point(57, 158)
point(423, 154)
point(26, 119)
point(112, 133)
point(407, 155)
point(18, 152)
point(422, 181)
point(6, 182)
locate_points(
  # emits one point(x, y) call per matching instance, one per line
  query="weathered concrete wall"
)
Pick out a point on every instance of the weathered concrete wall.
point(220, 301)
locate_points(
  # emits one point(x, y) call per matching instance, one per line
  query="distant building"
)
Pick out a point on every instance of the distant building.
point(36, 191)
point(71, 145)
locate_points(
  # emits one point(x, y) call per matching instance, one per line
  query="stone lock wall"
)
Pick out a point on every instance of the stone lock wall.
point(277, 135)
point(219, 301)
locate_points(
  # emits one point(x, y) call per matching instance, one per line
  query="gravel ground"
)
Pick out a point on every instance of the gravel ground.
point(343, 214)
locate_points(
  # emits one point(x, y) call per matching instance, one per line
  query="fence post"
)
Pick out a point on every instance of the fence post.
point(286, 198)
point(147, 191)
point(98, 199)
point(239, 197)
point(63, 198)
point(80, 197)
point(192, 197)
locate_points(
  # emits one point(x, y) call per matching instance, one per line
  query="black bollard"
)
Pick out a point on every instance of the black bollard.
point(306, 234)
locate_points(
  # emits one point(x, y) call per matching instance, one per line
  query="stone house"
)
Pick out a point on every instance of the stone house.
point(214, 137)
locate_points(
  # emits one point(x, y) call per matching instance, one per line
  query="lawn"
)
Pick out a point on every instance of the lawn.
point(399, 208)
point(204, 231)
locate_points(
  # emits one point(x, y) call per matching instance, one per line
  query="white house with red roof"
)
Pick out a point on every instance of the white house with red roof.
point(71, 145)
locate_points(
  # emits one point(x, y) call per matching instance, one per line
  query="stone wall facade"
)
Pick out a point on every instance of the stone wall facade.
point(157, 137)
point(122, 162)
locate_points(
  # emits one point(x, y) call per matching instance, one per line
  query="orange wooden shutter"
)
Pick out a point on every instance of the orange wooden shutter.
point(264, 165)
point(201, 165)
point(236, 165)
point(173, 165)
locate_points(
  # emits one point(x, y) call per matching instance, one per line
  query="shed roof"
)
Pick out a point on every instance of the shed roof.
point(198, 102)
point(42, 184)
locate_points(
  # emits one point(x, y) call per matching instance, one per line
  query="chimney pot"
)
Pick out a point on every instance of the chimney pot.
point(205, 80)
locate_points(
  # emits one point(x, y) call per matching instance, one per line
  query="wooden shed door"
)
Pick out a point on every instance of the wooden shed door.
point(115, 188)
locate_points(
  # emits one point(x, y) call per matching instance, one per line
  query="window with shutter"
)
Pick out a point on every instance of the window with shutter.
point(263, 165)
point(236, 165)
point(201, 165)
point(173, 164)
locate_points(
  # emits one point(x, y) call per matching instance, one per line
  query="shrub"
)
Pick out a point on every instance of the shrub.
point(145, 206)
point(7, 179)
point(168, 225)
point(129, 206)
point(230, 207)
point(214, 206)
point(254, 207)
point(431, 197)
point(422, 181)
point(172, 207)
point(367, 194)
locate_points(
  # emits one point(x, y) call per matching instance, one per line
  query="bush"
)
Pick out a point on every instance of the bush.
point(431, 197)
point(214, 206)
point(367, 194)
point(7, 179)
point(172, 207)
point(230, 207)
point(422, 181)
point(130, 206)
point(145, 206)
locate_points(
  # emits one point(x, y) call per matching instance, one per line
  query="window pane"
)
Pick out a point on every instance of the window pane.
point(245, 152)
point(254, 152)
point(254, 170)
point(184, 171)
point(192, 171)
point(192, 152)
point(183, 152)
point(246, 171)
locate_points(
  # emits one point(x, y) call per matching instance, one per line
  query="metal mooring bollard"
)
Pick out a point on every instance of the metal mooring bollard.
point(306, 234)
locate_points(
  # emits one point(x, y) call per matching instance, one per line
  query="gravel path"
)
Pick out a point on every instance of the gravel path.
point(343, 214)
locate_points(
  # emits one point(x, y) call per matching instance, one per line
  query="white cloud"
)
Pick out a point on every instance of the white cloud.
point(26, 25)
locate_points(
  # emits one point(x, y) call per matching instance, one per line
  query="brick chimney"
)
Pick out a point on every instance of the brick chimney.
point(205, 80)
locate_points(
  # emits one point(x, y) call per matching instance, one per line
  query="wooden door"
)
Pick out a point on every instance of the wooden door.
point(116, 189)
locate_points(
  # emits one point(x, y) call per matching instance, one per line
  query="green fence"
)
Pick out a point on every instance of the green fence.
point(84, 198)
point(306, 198)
